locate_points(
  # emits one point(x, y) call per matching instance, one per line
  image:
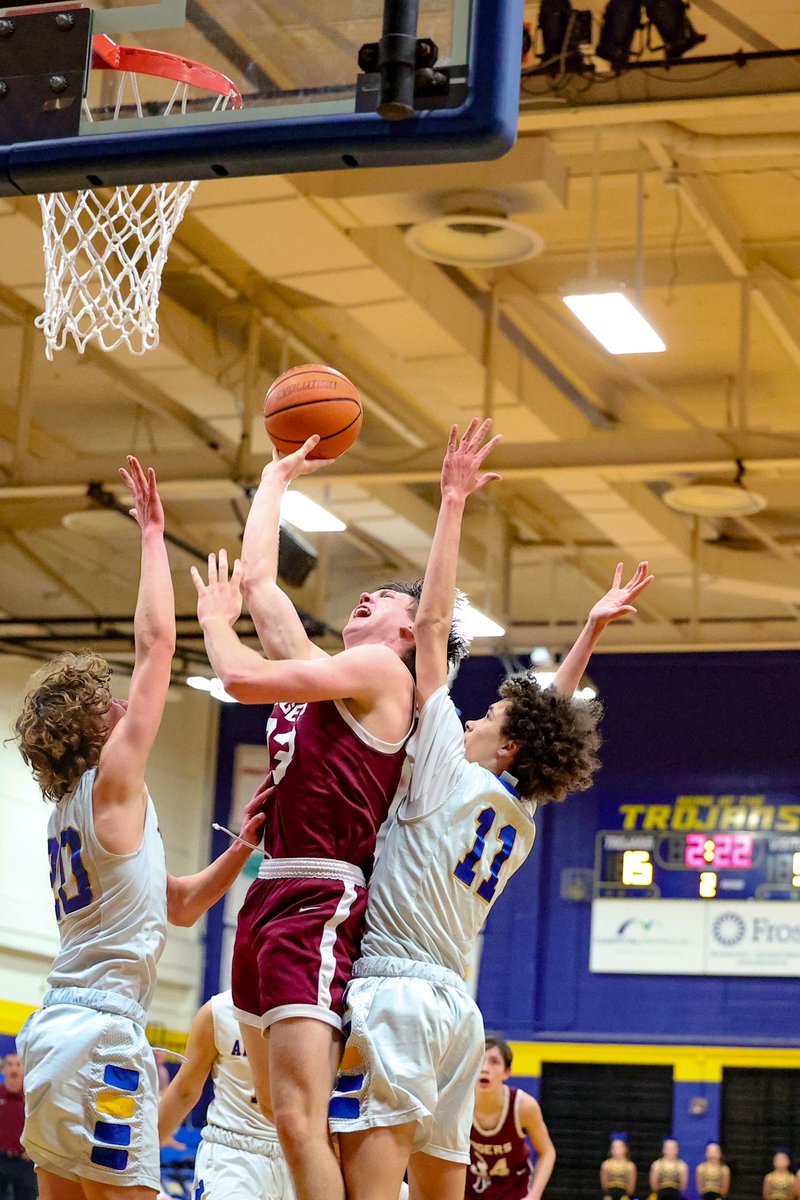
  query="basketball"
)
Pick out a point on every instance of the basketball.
point(313, 399)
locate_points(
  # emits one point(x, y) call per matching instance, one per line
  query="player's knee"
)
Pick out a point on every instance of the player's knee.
point(295, 1129)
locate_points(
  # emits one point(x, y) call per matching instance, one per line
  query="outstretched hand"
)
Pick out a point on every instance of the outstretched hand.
point(221, 597)
point(290, 466)
point(147, 510)
point(618, 600)
point(461, 470)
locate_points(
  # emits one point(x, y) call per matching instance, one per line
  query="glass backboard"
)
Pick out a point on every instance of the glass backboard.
point(306, 103)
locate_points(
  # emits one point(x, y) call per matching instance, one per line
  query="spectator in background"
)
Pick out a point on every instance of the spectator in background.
point(713, 1177)
point(17, 1175)
point(669, 1175)
point(780, 1183)
point(618, 1173)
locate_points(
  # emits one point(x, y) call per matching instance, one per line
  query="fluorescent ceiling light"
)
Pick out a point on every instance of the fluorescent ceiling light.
point(476, 624)
point(545, 680)
point(614, 320)
point(212, 686)
point(309, 516)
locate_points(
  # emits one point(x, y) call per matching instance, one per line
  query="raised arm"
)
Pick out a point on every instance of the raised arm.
point(533, 1123)
point(461, 476)
point(277, 622)
point(119, 793)
point(372, 675)
point(190, 896)
point(186, 1088)
point(617, 602)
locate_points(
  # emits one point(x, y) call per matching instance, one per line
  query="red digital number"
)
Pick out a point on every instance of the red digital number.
point(742, 850)
point(695, 845)
point(723, 847)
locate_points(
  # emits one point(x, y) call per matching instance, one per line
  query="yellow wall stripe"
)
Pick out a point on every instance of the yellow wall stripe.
point(690, 1064)
point(14, 1015)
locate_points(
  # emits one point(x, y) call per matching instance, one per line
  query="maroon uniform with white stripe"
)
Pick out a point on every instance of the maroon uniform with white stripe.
point(499, 1166)
point(300, 926)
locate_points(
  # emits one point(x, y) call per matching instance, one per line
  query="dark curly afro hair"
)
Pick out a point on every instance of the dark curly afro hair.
point(558, 739)
point(457, 643)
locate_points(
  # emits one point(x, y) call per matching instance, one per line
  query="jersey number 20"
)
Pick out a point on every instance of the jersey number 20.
point(466, 870)
point(69, 846)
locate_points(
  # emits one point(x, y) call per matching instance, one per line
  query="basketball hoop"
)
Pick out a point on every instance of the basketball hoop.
point(105, 252)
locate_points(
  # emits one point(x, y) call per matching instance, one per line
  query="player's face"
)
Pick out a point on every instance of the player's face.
point(713, 1153)
point(379, 617)
point(484, 738)
point(12, 1072)
point(115, 712)
point(670, 1148)
point(781, 1162)
point(618, 1148)
point(494, 1072)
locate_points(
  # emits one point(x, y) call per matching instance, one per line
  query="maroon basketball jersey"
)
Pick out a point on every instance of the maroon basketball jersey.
point(334, 780)
point(499, 1167)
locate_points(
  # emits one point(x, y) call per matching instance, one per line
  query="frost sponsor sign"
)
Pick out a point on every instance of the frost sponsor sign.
point(695, 937)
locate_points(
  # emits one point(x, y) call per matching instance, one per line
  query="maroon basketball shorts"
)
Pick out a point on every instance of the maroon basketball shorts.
point(298, 935)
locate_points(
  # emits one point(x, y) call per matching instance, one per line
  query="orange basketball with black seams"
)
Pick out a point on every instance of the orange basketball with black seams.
point(313, 399)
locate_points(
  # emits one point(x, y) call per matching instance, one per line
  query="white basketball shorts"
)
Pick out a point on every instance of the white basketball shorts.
point(91, 1091)
point(226, 1169)
point(415, 1044)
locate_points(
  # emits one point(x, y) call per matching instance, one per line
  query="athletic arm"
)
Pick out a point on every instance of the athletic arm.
point(698, 1179)
point(186, 1088)
point(603, 1177)
point(684, 1176)
point(461, 476)
point(190, 896)
point(278, 624)
point(630, 1179)
point(119, 797)
point(726, 1180)
point(617, 602)
point(654, 1176)
point(532, 1122)
point(364, 673)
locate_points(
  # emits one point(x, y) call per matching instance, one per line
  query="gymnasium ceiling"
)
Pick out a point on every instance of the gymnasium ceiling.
point(266, 273)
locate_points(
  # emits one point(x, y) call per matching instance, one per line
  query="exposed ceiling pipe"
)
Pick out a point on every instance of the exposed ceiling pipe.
point(705, 145)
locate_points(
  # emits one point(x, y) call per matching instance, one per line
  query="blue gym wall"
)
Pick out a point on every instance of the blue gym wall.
point(675, 724)
point(692, 724)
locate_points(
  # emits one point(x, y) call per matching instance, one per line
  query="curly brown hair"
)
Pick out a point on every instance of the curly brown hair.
point(558, 739)
point(62, 728)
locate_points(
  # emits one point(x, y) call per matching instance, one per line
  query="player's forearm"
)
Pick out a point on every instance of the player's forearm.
point(175, 1105)
point(278, 624)
point(154, 617)
point(190, 896)
point(541, 1173)
point(236, 665)
point(260, 539)
point(573, 667)
point(435, 612)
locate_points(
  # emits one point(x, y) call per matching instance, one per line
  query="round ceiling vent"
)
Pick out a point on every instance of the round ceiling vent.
point(474, 231)
point(714, 500)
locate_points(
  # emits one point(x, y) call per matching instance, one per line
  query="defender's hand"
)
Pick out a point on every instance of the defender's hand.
point(221, 597)
point(461, 470)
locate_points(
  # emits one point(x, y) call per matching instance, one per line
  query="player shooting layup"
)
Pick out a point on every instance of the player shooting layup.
point(336, 742)
point(91, 1090)
point(239, 1157)
point(405, 1089)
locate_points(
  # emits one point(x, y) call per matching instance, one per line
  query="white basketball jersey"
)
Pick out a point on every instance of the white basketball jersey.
point(234, 1107)
point(111, 908)
point(458, 838)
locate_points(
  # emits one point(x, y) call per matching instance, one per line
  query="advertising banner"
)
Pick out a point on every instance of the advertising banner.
point(697, 937)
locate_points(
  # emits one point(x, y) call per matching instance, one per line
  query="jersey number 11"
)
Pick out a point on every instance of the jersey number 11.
point(466, 870)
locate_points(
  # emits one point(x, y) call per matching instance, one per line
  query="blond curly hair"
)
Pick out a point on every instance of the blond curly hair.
point(62, 727)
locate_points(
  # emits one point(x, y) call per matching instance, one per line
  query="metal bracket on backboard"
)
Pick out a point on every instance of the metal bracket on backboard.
point(44, 62)
point(447, 89)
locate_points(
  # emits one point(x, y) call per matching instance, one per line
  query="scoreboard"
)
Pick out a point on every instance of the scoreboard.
point(686, 866)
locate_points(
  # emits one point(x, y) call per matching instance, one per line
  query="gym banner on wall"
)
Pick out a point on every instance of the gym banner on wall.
point(693, 937)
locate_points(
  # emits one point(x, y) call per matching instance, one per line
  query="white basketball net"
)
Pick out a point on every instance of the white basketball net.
point(104, 253)
point(103, 261)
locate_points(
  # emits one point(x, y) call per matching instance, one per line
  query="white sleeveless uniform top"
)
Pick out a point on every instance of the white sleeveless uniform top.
point(458, 838)
point(234, 1107)
point(111, 908)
